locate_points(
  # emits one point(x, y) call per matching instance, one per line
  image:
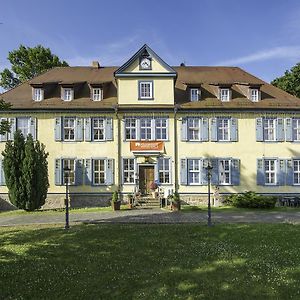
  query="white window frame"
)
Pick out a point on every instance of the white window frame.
point(128, 172)
point(296, 129)
point(145, 90)
point(68, 94)
point(268, 171)
point(254, 95)
point(194, 94)
point(68, 128)
point(223, 128)
point(161, 129)
point(225, 169)
point(22, 128)
point(269, 127)
point(225, 97)
point(98, 128)
point(131, 129)
point(193, 127)
point(71, 164)
point(194, 170)
point(38, 94)
point(146, 128)
point(97, 162)
point(164, 170)
point(97, 94)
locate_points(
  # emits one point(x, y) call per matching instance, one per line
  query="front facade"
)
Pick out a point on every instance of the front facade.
point(120, 129)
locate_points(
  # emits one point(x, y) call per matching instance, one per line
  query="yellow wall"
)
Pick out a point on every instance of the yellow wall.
point(163, 91)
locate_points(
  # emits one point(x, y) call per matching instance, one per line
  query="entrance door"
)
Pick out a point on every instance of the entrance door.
point(146, 177)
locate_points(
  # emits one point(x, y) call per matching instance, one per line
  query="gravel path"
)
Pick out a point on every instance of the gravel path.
point(152, 216)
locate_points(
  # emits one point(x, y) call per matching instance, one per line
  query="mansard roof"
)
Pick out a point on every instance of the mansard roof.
point(206, 78)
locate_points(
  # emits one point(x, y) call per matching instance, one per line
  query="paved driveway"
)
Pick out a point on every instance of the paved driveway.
point(152, 216)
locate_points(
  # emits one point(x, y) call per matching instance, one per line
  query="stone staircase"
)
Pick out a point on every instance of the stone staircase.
point(148, 202)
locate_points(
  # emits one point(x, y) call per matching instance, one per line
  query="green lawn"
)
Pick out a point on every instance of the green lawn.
point(259, 261)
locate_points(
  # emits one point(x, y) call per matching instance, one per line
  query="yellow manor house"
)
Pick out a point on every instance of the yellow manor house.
point(123, 128)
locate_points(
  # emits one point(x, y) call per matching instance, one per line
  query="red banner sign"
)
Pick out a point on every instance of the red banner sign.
point(147, 146)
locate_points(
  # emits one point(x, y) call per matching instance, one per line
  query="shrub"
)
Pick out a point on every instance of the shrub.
point(250, 200)
point(115, 197)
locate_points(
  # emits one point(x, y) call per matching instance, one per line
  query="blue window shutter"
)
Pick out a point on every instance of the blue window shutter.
point(260, 176)
point(78, 172)
point(234, 129)
point(289, 129)
point(88, 172)
point(13, 128)
point(58, 128)
point(156, 174)
point(280, 129)
point(88, 129)
point(204, 129)
point(259, 130)
point(183, 171)
point(109, 129)
point(3, 137)
point(214, 130)
point(204, 171)
point(33, 128)
point(294, 132)
point(184, 129)
point(289, 172)
point(215, 171)
point(79, 130)
point(281, 171)
point(109, 180)
point(235, 172)
point(58, 172)
point(2, 176)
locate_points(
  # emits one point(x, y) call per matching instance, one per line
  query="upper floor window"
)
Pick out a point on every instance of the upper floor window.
point(97, 94)
point(69, 128)
point(223, 130)
point(98, 128)
point(161, 127)
point(194, 129)
point(224, 94)
point(194, 94)
point(254, 95)
point(68, 94)
point(146, 128)
point(38, 94)
point(270, 129)
point(23, 124)
point(130, 128)
point(145, 90)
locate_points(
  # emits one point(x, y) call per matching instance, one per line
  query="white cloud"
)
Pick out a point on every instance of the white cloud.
point(288, 52)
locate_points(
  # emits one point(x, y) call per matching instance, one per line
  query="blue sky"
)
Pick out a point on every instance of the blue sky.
point(263, 37)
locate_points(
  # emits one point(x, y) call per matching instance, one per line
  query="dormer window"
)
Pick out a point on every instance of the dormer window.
point(38, 94)
point(254, 94)
point(146, 90)
point(194, 94)
point(97, 94)
point(224, 94)
point(68, 94)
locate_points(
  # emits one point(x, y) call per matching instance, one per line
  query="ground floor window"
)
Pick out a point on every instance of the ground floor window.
point(296, 173)
point(70, 164)
point(98, 171)
point(224, 171)
point(270, 171)
point(128, 170)
point(194, 171)
point(164, 170)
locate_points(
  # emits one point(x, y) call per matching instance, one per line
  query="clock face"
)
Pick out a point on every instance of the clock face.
point(145, 63)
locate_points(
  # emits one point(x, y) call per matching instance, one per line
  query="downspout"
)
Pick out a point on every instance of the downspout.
point(119, 151)
point(176, 148)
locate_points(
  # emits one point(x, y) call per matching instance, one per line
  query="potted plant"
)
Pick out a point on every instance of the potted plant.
point(175, 202)
point(130, 200)
point(153, 187)
point(115, 202)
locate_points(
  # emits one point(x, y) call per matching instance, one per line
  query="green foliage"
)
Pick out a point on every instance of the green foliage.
point(26, 172)
point(250, 200)
point(4, 125)
point(27, 63)
point(176, 197)
point(290, 81)
point(115, 196)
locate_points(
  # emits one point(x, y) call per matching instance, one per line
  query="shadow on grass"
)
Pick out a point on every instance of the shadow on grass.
point(151, 262)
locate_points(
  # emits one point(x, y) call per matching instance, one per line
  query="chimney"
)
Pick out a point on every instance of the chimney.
point(95, 64)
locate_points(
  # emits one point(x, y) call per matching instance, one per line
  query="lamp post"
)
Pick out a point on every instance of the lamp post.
point(67, 171)
point(208, 168)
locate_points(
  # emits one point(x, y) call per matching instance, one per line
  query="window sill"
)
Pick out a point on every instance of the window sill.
point(143, 99)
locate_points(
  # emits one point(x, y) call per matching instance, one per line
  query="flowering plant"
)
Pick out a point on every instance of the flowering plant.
point(153, 186)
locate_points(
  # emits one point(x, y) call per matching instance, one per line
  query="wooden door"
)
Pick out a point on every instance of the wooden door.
point(146, 177)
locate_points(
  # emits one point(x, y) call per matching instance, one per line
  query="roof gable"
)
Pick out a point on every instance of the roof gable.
point(159, 67)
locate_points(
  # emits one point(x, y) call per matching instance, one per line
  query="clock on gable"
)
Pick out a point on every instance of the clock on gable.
point(145, 61)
